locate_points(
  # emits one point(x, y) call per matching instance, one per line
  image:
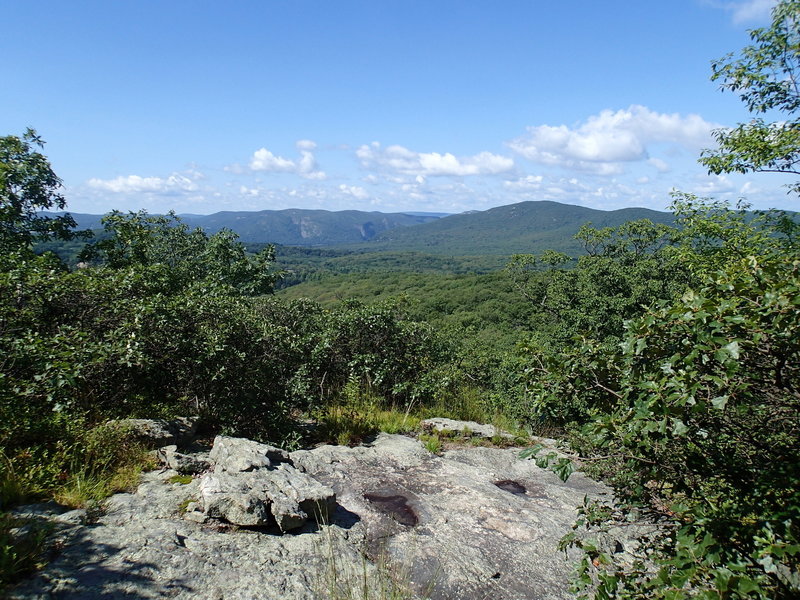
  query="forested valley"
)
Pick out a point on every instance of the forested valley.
point(665, 355)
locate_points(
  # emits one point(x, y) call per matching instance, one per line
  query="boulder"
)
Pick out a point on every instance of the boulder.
point(463, 428)
point(156, 433)
point(237, 498)
point(240, 454)
point(256, 485)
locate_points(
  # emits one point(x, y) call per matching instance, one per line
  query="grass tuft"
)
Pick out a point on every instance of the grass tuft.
point(432, 443)
point(181, 479)
point(365, 579)
point(23, 548)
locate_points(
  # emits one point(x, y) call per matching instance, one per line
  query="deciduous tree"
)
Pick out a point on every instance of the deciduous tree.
point(28, 185)
point(765, 75)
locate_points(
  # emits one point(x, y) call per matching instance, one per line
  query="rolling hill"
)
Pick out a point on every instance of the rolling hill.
point(516, 228)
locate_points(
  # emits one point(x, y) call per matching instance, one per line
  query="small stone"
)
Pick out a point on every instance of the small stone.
point(186, 464)
point(195, 516)
point(467, 428)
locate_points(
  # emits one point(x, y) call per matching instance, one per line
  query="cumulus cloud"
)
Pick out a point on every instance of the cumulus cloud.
point(175, 183)
point(606, 141)
point(355, 191)
point(528, 182)
point(432, 164)
point(305, 166)
point(264, 160)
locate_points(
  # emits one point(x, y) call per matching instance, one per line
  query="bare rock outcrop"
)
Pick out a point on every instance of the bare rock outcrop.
point(472, 523)
point(256, 485)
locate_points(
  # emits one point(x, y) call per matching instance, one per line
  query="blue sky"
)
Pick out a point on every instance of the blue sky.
point(387, 105)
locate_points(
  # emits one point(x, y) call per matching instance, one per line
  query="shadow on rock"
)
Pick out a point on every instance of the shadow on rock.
point(88, 569)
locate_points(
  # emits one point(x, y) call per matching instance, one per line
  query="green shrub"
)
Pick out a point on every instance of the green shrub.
point(23, 548)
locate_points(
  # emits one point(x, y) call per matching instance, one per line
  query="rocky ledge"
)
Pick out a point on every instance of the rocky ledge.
point(473, 523)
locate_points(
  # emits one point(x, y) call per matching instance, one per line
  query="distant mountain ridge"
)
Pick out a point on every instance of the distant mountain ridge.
point(293, 226)
point(524, 227)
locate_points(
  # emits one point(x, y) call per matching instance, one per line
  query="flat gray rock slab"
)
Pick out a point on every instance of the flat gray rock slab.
point(143, 548)
point(472, 524)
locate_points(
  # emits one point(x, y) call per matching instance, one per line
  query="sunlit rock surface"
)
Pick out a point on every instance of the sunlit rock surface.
point(473, 523)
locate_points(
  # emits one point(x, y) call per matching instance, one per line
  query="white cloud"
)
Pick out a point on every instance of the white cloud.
point(174, 183)
point(660, 165)
point(246, 191)
point(749, 188)
point(432, 164)
point(604, 142)
point(529, 182)
point(264, 160)
point(306, 145)
point(749, 11)
point(713, 184)
point(355, 191)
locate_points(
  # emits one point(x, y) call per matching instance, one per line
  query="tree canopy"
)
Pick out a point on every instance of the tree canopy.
point(28, 185)
point(765, 75)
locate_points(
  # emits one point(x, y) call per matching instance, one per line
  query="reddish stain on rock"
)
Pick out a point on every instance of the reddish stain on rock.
point(514, 487)
point(395, 506)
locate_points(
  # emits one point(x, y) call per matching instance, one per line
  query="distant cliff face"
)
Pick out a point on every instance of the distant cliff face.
point(309, 230)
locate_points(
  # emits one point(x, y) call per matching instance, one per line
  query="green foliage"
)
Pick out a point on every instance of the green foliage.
point(103, 342)
point(431, 442)
point(712, 235)
point(765, 76)
point(320, 265)
point(215, 264)
point(571, 385)
point(28, 185)
point(624, 269)
point(359, 413)
point(478, 318)
point(698, 425)
point(22, 548)
point(570, 371)
point(377, 346)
